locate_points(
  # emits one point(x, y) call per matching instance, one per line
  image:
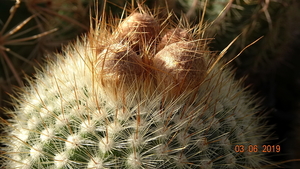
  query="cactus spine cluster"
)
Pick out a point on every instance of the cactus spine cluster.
point(139, 94)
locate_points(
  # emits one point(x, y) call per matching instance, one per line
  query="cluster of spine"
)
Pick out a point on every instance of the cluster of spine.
point(142, 94)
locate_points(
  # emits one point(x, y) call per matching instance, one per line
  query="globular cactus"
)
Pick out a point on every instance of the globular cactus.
point(137, 95)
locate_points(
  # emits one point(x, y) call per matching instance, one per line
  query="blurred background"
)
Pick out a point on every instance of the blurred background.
point(30, 30)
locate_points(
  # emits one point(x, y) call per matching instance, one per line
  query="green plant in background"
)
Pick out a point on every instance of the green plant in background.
point(141, 93)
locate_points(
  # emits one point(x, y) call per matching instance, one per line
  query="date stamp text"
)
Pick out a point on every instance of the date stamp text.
point(256, 148)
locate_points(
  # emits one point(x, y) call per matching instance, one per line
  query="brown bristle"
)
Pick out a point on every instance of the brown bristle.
point(172, 36)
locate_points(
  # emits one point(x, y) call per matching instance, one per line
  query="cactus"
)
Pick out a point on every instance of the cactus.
point(140, 94)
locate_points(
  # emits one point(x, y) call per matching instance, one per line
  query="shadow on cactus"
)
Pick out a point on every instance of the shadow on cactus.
point(142, 92)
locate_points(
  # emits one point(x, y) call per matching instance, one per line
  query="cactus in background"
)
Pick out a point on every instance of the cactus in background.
point(251, 19)
point(144, 93)
point(31, 28)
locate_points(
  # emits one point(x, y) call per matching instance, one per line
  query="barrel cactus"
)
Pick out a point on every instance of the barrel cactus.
point(141, 93)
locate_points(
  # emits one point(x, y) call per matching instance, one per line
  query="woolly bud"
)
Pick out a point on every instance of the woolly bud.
point(119, 68)
point(139, 29)
point(180, 67)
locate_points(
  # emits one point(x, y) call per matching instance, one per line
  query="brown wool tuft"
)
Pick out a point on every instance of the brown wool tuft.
point(180, 67)
point(139, 29)
point(118, 64)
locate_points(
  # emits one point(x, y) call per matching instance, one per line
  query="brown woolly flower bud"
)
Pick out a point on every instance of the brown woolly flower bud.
point(139, 29)
point(118, 65)
point(172, 36)
point(180, 67)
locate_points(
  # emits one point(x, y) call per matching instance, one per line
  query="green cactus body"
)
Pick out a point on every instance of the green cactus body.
point(86, 109)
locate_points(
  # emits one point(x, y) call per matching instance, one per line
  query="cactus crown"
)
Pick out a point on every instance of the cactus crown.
point(138, 95)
